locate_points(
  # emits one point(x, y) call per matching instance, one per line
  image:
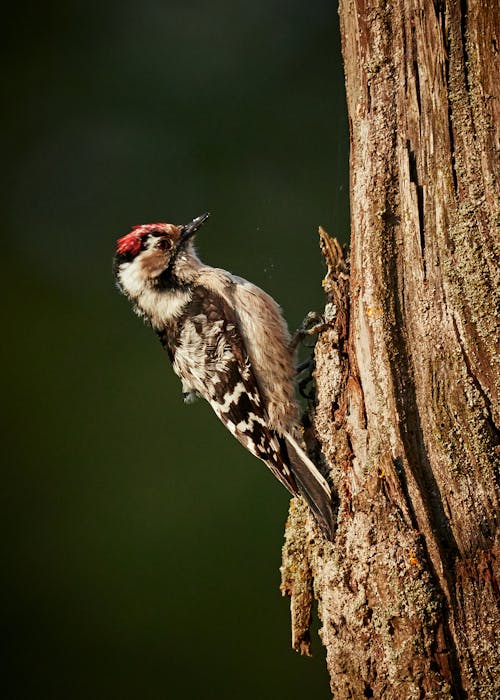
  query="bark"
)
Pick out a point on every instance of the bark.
point(407, 376)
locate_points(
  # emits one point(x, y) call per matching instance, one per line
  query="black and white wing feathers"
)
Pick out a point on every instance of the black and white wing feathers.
point(210, 357)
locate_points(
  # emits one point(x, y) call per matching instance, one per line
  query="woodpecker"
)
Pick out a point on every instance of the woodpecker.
point(229, 344)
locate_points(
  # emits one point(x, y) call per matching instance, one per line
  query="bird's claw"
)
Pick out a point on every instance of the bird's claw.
point(312, 324)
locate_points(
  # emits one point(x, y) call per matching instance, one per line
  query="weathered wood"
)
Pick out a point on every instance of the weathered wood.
point(407, 409)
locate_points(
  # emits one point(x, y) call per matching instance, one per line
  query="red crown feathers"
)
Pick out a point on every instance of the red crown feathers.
point(131, 242)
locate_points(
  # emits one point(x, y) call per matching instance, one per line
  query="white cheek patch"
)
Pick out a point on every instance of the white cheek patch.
point(131, 278)
point(159, 307)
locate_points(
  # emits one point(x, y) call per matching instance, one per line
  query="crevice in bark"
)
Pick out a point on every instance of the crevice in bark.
point(420, 200)
point(397, 463)
point(449, 109)
point(416, 72)
point(465, 39)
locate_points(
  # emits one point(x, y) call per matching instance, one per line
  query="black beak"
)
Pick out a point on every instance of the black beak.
point(190, 229)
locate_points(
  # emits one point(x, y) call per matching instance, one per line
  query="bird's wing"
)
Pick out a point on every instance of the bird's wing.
point(211, 352)
point(266, 336)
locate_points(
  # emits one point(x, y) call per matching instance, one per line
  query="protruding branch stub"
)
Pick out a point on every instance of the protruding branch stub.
point(296, 575)
point(335, 258)
point(335, 282)
point(304, 546)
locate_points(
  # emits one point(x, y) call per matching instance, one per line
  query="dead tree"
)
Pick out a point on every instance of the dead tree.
point(407, 366)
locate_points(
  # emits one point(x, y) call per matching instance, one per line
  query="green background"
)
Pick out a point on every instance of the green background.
point(142, 543)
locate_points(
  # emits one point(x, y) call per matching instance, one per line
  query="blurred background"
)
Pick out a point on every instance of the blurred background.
point(141, 547)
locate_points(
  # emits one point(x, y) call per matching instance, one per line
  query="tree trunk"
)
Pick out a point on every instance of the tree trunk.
point(407, 375)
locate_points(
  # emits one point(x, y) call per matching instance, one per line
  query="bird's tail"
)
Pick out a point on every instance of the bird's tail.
point(313, 486)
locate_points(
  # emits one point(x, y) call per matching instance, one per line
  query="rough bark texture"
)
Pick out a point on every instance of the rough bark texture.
point(407, 369)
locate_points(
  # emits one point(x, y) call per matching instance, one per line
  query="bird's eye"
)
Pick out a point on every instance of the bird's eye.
point(164, 244)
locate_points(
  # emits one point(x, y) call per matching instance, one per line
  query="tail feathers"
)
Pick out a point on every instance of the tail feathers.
point(313, 486)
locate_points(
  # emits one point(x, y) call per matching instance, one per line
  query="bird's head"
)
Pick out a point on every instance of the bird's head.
point(155, 255)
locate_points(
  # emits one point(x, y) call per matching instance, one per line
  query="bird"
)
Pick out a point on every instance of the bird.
point(229, 344)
